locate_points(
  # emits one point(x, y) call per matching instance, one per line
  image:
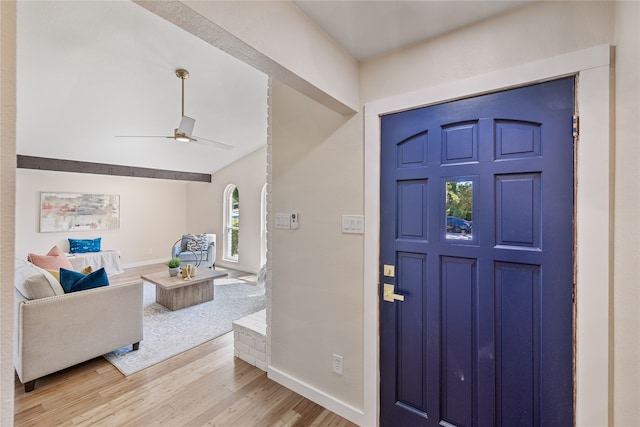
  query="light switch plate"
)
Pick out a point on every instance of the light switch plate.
point(283, 221)
point(353, 224)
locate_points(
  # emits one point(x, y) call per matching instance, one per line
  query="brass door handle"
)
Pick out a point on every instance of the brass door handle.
point(388, 293)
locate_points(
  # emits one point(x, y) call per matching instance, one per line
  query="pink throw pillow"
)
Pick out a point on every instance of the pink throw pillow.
point(53, 260)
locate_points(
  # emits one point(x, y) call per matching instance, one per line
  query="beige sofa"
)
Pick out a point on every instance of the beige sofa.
point(54, 330)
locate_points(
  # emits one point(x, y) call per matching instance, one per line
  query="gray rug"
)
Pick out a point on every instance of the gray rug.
point(168, 333)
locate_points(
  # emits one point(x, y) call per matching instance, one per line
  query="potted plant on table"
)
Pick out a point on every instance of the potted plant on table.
point(174, 266)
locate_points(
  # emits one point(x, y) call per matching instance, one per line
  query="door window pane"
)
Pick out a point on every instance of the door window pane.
point(459, 206)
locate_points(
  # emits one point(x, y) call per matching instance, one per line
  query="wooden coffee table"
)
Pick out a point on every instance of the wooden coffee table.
point(176, 293)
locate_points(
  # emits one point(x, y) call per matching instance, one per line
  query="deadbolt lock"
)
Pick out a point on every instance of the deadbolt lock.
point(389, 270)
point(388, 293)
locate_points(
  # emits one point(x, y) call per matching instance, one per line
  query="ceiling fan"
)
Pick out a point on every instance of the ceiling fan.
point(183, 133)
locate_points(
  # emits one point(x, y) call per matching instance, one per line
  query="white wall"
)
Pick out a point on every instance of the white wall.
point(316, 286)
point(540, 30)
point(153, 214)
point(626, 292)
point(317, 272)
point(249, 174)
point(7, 202)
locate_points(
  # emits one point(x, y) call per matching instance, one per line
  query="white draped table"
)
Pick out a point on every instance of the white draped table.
point(110, 260)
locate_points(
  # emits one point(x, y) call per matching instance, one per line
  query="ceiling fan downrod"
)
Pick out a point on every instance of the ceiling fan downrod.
point(182, 75)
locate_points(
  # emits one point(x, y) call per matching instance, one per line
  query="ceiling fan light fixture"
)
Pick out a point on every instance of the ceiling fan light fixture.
point(182, 138)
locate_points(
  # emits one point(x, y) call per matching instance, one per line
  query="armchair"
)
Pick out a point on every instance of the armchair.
point(199, 250)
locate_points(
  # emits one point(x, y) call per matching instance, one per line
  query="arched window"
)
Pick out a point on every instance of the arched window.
point(231, 223)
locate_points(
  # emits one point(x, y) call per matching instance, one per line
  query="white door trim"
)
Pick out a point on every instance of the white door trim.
point(593, 212)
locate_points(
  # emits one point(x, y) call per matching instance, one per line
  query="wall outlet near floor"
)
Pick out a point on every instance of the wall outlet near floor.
point(338, 364)
point(150, 251)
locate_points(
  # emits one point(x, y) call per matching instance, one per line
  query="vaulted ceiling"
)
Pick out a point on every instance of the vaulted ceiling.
point(370, 28)
point(89, 71)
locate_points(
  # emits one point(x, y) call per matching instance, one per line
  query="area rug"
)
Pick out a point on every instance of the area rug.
point(168, 333)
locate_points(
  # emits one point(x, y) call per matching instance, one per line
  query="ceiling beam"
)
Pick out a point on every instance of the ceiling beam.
point(74, 166)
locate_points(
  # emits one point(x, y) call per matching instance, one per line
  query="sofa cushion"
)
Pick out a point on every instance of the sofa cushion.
point(74, 281)
point(34, 282)
point(80, 246)
point(53, 260)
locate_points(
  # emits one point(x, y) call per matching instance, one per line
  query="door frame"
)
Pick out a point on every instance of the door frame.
point(593, 211)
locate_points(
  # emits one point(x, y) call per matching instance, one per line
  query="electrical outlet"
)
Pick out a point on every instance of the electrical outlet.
point(338, 364)
point(150, 250)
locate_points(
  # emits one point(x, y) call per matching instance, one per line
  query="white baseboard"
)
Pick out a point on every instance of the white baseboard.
point(343, 409)
point(236, 266)
point(146, 262)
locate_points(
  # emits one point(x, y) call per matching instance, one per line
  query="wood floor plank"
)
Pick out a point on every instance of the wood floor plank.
point(307, 411)
point(205, 386)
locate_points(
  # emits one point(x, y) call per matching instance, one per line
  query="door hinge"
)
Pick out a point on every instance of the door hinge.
point(576, 125)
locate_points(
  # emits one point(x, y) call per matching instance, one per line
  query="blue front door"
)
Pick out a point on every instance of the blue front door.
point(476, 277)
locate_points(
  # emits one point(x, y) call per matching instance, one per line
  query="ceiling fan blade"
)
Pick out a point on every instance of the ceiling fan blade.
point(186, 126)
point(195, 139)
point(218, 144)
point(144, 136)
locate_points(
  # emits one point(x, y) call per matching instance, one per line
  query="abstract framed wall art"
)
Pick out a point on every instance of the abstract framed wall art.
point(78, 212)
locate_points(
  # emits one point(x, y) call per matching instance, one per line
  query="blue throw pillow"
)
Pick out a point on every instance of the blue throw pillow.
point(73, 281)
point(79, 246)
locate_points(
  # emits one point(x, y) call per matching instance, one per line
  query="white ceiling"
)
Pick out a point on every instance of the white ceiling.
point(88, 71)
point(370, 28)
point(91, 70)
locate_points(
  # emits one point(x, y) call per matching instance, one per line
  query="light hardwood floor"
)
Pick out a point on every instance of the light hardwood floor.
point(203, 386)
